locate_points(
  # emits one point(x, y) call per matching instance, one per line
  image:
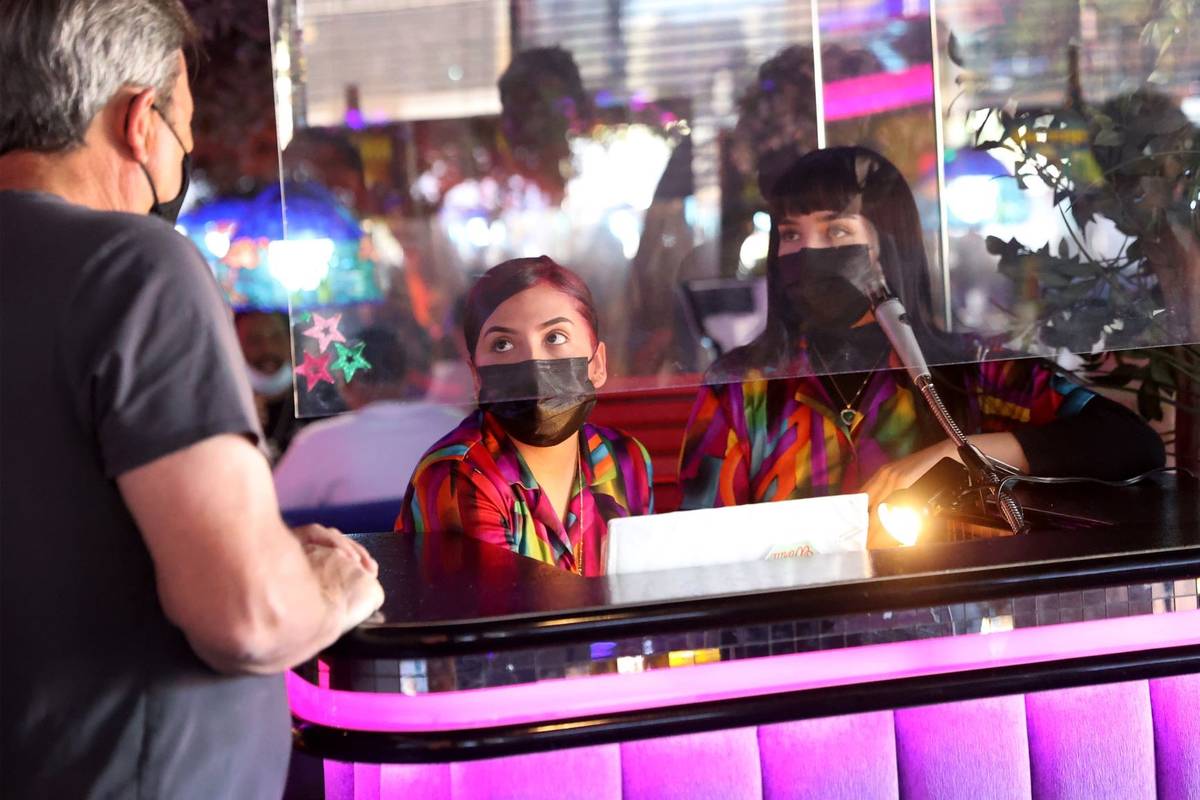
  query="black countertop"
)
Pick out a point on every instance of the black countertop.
point(453, 595)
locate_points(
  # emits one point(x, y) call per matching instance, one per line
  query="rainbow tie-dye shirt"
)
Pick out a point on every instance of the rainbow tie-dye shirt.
point(475, 482)
point(782, 438)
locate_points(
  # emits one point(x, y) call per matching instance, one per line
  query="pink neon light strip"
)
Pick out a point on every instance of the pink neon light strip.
point(874, 94)
point(613, 693)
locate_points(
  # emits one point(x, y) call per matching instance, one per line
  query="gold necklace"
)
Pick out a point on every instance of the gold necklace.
point(578, 549)
point(848, 412)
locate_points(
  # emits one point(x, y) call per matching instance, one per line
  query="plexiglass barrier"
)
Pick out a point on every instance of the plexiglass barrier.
point(719, 189)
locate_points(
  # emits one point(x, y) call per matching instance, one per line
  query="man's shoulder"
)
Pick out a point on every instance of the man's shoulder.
point(85, 228)
point(142, 242)
point(92, 255)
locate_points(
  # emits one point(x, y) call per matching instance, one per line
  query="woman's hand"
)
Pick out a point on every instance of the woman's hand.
point(904, 473)
point(896, 476)
point(901, 474)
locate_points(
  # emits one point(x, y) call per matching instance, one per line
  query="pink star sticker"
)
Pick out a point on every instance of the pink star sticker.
point(315, 369)
point(325, 330)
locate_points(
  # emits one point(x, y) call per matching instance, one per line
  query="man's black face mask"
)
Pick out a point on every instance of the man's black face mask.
point(541, 402)
point(823, 289)
point(170, 209)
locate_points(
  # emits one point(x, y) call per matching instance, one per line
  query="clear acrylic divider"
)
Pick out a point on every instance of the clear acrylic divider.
point(1045, 204)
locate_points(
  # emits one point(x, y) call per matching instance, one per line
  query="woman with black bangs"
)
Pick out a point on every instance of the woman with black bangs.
point(818, 404)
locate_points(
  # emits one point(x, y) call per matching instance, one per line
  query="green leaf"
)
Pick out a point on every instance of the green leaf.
point(1082, 210)
point(1053, 280)
point(1076, 269)
point(1121, 375)
point(1013, 268)
point(1134, 251)
point(1149, 401)
point(1161, 372)
point(997, 246)
point(954, 50)
point(1077, 291)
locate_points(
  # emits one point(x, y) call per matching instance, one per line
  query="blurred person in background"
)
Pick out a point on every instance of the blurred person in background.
point(267, 350)
point(451, 381)
point(547, 122)
point(369, 453)
point(267, 353)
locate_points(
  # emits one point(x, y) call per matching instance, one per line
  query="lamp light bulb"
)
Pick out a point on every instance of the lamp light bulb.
point(902, 522)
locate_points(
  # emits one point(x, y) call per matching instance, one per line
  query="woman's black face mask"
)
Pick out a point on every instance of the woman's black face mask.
point(822, 289)
point(541, 402)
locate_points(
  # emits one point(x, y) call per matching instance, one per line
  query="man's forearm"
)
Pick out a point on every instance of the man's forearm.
point(283, 617)
point(244, 590)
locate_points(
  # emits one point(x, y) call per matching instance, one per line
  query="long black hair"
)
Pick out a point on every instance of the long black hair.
point(840, 179)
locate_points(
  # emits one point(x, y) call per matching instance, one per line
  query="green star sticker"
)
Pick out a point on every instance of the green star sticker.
point(350, 359)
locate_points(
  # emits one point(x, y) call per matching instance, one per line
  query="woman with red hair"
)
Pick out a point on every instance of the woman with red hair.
point(526, 470)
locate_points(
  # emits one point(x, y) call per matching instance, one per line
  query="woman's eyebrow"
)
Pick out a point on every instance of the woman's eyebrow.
point(497, 329)
point(555, 321)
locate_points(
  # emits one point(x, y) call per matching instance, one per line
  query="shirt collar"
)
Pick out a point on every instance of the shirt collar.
point(598, 463)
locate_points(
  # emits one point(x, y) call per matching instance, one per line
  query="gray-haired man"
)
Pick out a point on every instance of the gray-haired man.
point(151, 594)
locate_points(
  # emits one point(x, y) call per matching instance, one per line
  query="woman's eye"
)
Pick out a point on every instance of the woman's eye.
point(501, 345)
point(838, 232)
point(556, 338)
point(789, 236)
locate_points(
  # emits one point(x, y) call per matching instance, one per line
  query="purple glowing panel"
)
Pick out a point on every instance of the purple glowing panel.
point(851, 757)
point(1175, 703)
point(413, 780)
point(339, 781)
point(1094, 741)
point(585, 773)
point(386, 781)
point(976, 748)
point(367, 781)
point(615, 693)
point(1091, 742)
point(721, 764)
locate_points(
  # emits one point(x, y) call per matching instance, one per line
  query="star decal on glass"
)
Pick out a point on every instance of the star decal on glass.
point(350, 360)
point(315, 369)
point(325, 330)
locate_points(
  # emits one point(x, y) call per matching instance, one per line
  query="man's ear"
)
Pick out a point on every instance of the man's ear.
point(140, 132)
point(598, 369)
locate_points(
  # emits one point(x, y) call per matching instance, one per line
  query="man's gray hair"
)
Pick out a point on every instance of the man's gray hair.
point(62, 61)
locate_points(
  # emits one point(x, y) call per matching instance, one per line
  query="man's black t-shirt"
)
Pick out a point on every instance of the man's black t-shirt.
point(115, 349)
